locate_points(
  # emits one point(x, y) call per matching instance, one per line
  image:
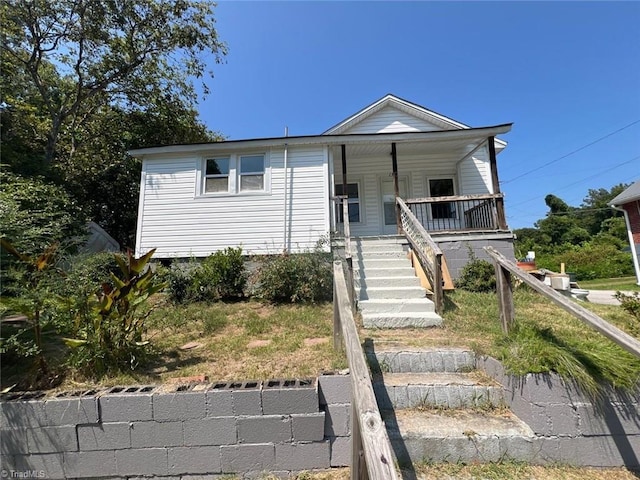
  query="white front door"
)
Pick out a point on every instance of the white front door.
point(388, 199)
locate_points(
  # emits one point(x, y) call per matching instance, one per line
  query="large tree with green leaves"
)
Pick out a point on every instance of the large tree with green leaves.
point(80, 56)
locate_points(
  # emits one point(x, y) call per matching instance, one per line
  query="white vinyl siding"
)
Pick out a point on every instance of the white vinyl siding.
point(179, 222)
point(389, 120)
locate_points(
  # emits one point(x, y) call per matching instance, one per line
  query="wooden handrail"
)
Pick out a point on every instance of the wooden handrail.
point(505, 268)
point(428, 253)
point(347, 252)
point(455, 198)
point(371, 449)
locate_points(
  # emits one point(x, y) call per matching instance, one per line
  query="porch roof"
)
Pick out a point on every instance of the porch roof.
point(464, 141)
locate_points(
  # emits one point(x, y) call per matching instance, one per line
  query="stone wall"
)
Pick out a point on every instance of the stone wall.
point(573, 427)
point(278, 426)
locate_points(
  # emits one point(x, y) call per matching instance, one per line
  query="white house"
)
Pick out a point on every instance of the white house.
point(269, 195)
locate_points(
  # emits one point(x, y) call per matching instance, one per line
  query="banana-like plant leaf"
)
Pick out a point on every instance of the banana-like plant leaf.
point(12, 250)
point(122, 264)
point(74, 342)
point(8, 389)
point(119, 283)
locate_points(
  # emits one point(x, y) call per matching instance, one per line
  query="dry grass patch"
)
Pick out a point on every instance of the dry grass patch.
point(508, 471)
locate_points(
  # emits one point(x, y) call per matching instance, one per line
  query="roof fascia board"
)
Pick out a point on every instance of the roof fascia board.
point(397, 137)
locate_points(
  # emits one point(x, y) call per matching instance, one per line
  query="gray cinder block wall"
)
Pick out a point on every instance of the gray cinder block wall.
point(456, 250)
point(571, 426)
point(278, 426)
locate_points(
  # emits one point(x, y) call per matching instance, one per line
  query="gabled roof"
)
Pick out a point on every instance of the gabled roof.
point(629, 195)
point(418, 111)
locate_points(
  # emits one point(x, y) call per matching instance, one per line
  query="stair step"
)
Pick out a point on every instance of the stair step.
point(392, 281)
point(381, 253)
point(460, 436)
point(375, 246)
point(378, 262)
point(440, 390)
point(408, 360)
point(398, 271)
point(390, 292)
point(391, 305)
point(401, 320)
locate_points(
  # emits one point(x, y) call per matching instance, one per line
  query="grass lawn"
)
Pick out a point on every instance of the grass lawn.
point(622, 283)
point(224, 341)
point(546, 338)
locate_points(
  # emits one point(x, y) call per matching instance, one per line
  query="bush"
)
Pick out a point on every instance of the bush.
point(631, 305)
point(590, 261)
point(220, 276)
point(477, 275)
point(292, 278)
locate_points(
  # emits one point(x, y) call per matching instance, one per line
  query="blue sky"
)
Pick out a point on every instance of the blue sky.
point(565, 73)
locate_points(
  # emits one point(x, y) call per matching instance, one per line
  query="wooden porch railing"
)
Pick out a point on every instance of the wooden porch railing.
point(506, 268)
point(459, 212)
point(371, 449)
point(428, 253)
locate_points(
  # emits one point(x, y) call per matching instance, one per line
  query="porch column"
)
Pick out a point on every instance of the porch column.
point(396, 187)
point(493, 165)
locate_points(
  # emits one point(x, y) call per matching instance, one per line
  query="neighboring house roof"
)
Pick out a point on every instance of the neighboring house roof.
point(468, 138)
point(439, 121)
point(629, 195)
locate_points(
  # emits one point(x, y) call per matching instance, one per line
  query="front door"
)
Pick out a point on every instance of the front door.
point(389, 224)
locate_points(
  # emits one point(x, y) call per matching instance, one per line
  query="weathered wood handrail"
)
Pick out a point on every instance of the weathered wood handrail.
point(505, 268)
point(428, 253)
point(347, 253)
point(371, 449)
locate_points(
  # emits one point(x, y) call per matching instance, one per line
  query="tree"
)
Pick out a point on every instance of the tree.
point(595, 207)
point(83, 55)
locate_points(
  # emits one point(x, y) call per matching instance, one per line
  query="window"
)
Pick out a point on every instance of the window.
point(353, 200)
point(251, 173)
point(216, 178)
point(442, 187)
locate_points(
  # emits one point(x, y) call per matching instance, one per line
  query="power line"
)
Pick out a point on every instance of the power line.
point(582, 180)
point(571, 153)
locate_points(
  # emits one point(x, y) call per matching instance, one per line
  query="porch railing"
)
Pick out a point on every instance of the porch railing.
point(428, 253)
point(459, 212)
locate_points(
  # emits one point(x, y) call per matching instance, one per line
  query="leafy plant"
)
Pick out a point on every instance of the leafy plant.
point(477, 275)
point(109, 336)
point(631, 305)
point(32, 297)
point(292, 278)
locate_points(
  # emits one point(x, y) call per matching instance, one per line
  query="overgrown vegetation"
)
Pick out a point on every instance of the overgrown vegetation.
point(631, 305)
point(220, 276)
point(590, 239)
point(477, 275)
point(304, 277)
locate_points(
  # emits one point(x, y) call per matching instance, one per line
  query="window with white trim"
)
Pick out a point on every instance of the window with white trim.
point(252, 173)
point(216, 175)
point(353, 193)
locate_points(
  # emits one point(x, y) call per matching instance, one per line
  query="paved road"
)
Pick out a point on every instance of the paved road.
point(604, 297)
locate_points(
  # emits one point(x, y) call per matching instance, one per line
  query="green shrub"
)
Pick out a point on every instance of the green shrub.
point(589, 261)
point(220, 276)
point(292, 278)
point(477, 275)
point(631, 305)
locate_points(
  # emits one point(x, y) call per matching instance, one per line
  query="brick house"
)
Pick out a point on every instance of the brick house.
point(628, 202)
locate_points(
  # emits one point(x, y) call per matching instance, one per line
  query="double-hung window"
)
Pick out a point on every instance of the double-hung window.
point(216, 178)
point(252, 172)
point(353, 200)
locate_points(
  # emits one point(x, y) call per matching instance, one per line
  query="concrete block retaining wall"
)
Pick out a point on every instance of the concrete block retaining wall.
point(572, 427)
point(279, 426)
point(456, 251)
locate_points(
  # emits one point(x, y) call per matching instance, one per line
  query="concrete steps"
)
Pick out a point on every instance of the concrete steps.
point(389, 294)
point(437, 408)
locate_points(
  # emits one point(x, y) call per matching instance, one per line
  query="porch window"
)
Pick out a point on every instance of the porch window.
point(353, 201)
point(442, 187)
point(216, 178)
point(251, 173)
